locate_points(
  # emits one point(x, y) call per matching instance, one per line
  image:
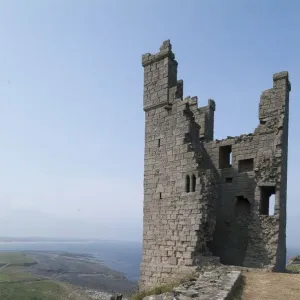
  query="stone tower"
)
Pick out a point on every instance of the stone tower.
point(206, 198)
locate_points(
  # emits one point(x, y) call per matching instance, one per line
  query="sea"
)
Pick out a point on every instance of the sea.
point(121, 256)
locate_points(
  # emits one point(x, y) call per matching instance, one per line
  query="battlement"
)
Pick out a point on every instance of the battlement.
point(160, 75)
point(162, 89)
point(165, 51)
point(281, 75)
point(205, 197)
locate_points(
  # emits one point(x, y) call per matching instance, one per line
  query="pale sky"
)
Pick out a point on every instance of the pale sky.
point(71, 93)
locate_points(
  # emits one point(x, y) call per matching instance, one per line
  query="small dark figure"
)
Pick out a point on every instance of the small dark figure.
point(116, 297)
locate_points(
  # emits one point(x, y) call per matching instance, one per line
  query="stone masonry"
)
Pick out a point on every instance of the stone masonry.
point(206, 198)
point(214, 285)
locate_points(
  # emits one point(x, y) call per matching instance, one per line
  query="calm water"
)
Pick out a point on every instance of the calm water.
point(124, 257)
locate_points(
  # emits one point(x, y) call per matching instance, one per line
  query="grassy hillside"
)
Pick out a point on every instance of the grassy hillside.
point(38, 290)
point(10, 274)
point(18, 284)
point(15, 258)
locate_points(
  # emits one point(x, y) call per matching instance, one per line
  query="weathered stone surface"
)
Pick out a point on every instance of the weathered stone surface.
point(218, 285)
point(204, 197)
point(165, 296)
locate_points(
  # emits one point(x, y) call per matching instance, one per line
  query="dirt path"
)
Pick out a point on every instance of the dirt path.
point(274, 286)
point(3, 267)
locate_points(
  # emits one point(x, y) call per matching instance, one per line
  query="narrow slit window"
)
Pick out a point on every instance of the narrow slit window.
point(160, 196)
point(193, 183)
point(267, 200)
point(187, 183)
point(158, 143)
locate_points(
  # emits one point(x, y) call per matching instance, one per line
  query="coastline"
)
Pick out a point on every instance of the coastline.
point(80, 272)
point(121, 256)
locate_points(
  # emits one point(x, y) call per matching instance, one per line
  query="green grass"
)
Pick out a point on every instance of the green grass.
point(42, 290)
point(293, 268)
point(155, 291)
point(4, 277)
point(15, 274)
point(16, 258)
point(164, 288)
point(17, 284)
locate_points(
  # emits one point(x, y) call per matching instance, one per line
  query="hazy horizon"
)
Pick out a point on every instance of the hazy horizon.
point(120, 231)
point(71, 93)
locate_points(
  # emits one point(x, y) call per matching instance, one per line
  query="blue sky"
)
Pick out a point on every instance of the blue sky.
point(71, 118)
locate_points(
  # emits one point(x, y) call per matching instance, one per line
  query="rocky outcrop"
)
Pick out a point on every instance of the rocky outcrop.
point(294, 261)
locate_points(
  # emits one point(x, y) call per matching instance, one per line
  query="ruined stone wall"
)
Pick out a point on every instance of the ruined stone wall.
point(198, 202)
point(173, 218)
point(245, 232)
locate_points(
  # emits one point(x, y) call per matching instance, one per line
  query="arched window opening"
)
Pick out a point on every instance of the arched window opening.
point(187, 183)
point(193, 183)
point(242, 208)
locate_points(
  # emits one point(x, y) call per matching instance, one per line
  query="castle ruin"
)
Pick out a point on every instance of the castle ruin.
point(206, 198)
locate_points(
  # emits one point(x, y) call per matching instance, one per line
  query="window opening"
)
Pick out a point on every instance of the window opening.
point(243, 207)
point(193, 183)
point(225, 157)
point(228, 180)
point(245, 165)
point(272, 205)
point(187, 183)
point(267, 200)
